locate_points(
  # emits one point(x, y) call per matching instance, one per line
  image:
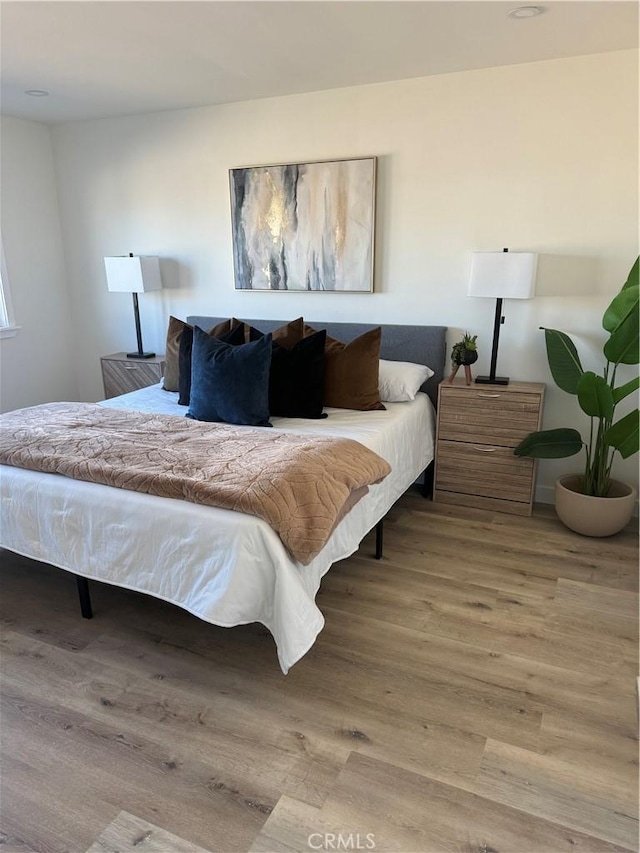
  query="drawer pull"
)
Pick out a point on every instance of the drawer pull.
point(492, 396)
point(484, 449)
point(131, 366)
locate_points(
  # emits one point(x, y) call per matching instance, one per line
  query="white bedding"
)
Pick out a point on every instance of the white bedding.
point(225, 567)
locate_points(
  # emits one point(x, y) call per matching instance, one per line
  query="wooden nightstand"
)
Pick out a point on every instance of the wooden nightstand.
point(478, 427)
point(121, 374)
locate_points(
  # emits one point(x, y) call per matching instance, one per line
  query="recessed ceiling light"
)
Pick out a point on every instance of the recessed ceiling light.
point(526, 12)
point(36, 93)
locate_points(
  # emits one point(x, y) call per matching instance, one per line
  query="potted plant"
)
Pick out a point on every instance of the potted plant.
point(593, 503)
point(464, 353)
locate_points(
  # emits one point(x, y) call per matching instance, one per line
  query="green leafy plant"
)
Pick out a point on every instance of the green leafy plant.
point(469, 341)
point(597, 395)
point(461, 350)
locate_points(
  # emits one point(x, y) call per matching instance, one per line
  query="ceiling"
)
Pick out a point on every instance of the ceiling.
point(100, 59)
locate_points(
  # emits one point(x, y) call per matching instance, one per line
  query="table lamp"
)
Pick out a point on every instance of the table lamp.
point(501, 275)
point(134, 274)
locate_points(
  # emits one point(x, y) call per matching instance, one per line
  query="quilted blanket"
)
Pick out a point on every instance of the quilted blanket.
point(300, 486)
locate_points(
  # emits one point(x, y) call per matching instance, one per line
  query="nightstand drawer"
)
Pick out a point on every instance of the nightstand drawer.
point(482, 469)
point(472, 397)
point(485, 428)
point(121, 375)
point(487, 416)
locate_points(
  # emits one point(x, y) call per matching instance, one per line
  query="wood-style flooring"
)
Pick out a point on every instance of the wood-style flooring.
point(473, 691)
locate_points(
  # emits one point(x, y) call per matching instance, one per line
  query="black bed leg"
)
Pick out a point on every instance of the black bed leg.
point(379, 530)
point(85, 598)
point(427, 483)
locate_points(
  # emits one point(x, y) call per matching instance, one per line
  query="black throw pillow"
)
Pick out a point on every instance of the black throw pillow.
point(234, 336)
point(296, 379)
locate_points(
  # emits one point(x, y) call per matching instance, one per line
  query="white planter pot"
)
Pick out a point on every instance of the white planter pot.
point(592, 516)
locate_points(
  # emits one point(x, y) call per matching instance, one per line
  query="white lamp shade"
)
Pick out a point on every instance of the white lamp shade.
point(503, 275)
point(133, 275)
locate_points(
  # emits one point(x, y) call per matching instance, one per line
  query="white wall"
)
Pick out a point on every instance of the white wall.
point(37, 365)
point(539, 157)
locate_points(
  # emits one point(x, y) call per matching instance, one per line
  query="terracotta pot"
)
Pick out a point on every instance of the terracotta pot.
point(593, 516)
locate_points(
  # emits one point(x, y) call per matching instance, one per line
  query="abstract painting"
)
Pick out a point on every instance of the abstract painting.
point(304, 226)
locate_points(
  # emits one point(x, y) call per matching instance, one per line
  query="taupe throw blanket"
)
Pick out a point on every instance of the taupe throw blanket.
point(301, 486)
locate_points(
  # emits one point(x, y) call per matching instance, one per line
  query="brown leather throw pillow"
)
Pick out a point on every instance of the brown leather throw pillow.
point(290, 334)
point(174, 333)
point(172, 352)
point(351, 371)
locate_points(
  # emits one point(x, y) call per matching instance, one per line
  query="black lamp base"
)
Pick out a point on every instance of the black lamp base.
point(487, 380)
point(141, 355)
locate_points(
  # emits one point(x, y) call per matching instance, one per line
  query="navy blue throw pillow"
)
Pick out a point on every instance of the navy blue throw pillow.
point(235, 336)
point(230, 383)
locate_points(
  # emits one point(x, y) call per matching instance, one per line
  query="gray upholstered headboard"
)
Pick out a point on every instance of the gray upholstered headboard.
point(420, 344)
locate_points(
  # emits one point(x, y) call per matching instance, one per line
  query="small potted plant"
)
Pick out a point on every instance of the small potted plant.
point(464, 353)
point(592, 503)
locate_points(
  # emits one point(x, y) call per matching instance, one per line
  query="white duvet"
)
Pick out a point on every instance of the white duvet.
point(225, 567)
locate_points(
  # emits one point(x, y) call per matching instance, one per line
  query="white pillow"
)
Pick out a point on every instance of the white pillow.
point(400, 381)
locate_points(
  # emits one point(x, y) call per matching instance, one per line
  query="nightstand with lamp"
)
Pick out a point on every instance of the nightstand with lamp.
point(129, 371)
point(480, 424)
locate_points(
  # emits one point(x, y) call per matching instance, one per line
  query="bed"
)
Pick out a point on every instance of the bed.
point(227, 568)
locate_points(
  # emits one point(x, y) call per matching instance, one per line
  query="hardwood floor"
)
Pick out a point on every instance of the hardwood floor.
point(474, 691)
